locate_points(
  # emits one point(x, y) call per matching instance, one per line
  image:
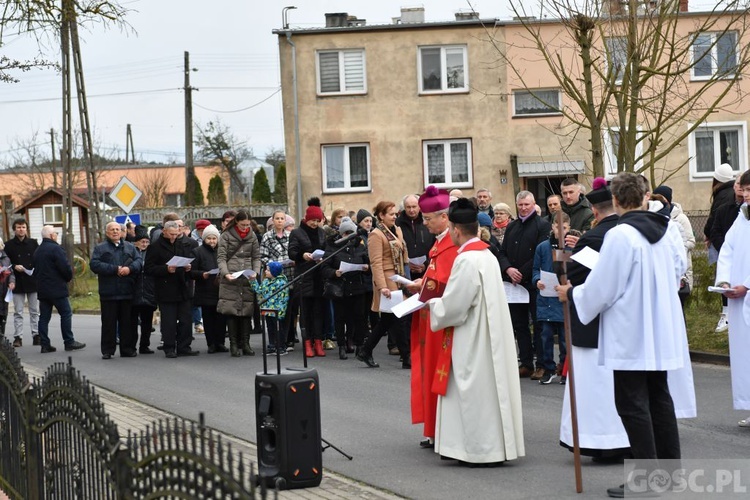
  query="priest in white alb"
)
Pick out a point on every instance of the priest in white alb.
point(479, 418)
point(642, 330)
point(733, 273)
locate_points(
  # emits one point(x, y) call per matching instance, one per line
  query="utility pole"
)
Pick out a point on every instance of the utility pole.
point(67, 131)
point(189, 169)
point(54, 158)
point(129, 148)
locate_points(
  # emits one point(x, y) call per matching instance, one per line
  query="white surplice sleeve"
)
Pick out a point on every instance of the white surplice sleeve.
point(461, 293)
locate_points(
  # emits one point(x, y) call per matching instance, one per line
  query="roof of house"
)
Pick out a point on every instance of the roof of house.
point(77, 200)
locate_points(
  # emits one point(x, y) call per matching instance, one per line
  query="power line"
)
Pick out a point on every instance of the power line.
point(113, 94)
point(238, 110)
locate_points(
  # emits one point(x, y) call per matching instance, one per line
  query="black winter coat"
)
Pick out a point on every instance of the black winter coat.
point(169, 287)
point(206, 290)
point(52, 270)
point(723, 219)
point(144, 293)
point(22, 252)
point(417, 237)
point(105, 261)
point(587, 335)
point(299, 243)
point(354, 282)
point(519, 244)
point(723, 195)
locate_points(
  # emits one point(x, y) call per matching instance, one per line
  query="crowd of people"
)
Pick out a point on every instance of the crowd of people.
point(486, 315)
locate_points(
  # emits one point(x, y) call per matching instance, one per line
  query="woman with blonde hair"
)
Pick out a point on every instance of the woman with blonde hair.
point(388, 256)
point(500, 221)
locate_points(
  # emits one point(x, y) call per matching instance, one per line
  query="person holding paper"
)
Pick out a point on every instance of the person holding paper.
point(417, 237)
point(426, 344)
point(348, 308)
point(144, 296)
point(116, 262)
point(207, 289)
point(733, 273)
point(303, 241)
point(642, 331)
point(479, 413)
point(388, 256)
point(21, 250)
point(549, 311)
point(238, 251)
point(516, 260)
point(172, 285)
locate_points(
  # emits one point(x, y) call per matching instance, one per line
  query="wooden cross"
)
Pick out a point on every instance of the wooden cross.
point(563, 257)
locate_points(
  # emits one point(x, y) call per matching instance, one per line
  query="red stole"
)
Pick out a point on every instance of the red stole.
point(443, 367)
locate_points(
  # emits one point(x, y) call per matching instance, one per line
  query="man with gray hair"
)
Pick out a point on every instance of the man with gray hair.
point(52, 269)
point(522, 236)
point(172, 287)
point(484, 201)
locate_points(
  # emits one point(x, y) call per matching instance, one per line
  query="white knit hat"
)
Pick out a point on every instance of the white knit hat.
point(210, 231)
point(724, 173)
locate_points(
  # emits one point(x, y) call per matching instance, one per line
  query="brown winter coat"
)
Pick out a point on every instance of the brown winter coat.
point(381, 262)
point(236, 298)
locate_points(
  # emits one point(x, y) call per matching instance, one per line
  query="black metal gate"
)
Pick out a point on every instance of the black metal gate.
point(57, 441)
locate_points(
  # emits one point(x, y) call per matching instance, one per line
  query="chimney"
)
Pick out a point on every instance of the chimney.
point(337, 20)
point(411, 15)
point(467, 15)
point(683, 5)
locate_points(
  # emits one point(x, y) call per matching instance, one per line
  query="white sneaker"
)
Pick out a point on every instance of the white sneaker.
point(723, 324)
point(745, 422)
point(199, 328)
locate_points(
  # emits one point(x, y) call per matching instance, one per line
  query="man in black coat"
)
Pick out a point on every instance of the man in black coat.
point(52, 268)
point(172, 286)
point(516, 262)
point(20, 250)
point(116, 262)
point(144, 297)
point(418, 238)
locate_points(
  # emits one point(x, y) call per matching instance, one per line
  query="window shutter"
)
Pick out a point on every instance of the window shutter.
point(354, 70)
point(329, 72)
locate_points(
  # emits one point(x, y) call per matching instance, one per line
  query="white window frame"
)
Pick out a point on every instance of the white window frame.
point(612, 50)
point(610, 155)
point(448, 173)
point(551, 111)
point(443, 70)
point(713, 55)
point(54, 207)
point(741, 163)
point(347, 170)
point(342, 73)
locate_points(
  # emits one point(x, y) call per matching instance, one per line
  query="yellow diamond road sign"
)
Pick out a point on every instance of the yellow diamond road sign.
point(125, 194)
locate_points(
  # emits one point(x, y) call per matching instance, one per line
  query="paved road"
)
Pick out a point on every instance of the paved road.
point(366, 413)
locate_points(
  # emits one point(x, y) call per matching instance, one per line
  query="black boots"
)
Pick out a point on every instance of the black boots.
point(342, 352)
point(366, 358)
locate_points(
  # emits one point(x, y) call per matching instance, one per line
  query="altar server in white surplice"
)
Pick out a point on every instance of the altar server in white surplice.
point(642, 331)
point(733, 273)
point(479, 419)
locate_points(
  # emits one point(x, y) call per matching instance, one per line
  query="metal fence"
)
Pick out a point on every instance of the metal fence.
point(57, 441)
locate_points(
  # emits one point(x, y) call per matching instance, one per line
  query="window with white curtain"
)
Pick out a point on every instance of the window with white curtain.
point(712, 144)
point(447, 163)
point(341, 72)
point(443, 69)
point(612, 163)
point(617, 55)
point(346, 168)
point(714, 55)
point(536, 102)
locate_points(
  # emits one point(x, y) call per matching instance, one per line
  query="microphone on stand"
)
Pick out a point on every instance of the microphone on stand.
point(346, 239)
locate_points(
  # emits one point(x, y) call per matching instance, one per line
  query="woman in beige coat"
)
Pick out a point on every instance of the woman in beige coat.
point(388, 256)
point(238, 251)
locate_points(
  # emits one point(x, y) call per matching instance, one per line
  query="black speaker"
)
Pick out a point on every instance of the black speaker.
point(287, 414)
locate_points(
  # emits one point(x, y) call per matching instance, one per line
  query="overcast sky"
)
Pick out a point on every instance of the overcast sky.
point(137, 77)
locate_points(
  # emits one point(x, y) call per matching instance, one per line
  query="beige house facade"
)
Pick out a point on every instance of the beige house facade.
point(382, 111)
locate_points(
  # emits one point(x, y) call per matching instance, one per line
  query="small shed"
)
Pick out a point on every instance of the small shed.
point(46, 208)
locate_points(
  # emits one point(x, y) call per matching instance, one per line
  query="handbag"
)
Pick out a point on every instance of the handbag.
point(333, 290)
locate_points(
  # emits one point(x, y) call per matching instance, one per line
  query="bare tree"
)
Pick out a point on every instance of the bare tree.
point(218, 145)
point(154, 187)
point(642, 71)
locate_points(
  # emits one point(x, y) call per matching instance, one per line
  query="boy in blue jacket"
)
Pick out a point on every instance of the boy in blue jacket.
point(274, 280)
point(549, 312)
